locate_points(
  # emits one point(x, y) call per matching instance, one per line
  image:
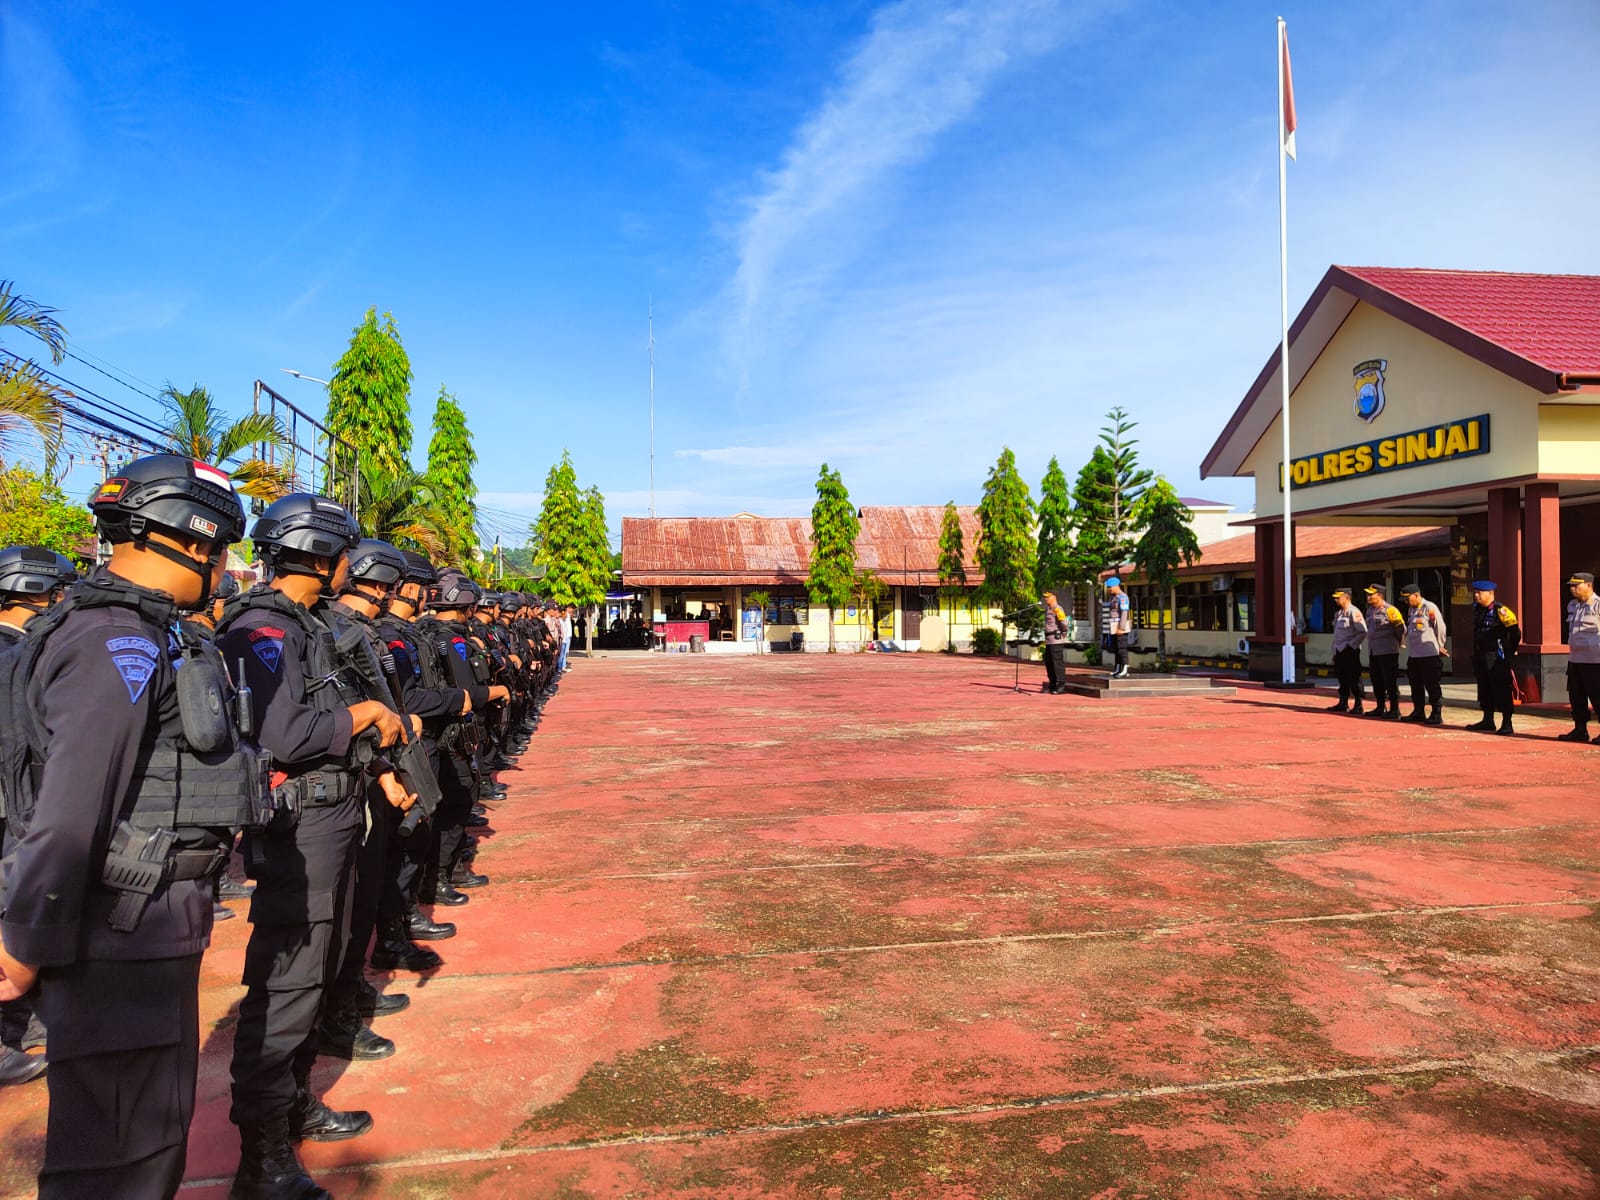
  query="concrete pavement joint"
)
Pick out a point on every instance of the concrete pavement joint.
point(1469, 1064)
point(1130, 931)
point(1075, 852)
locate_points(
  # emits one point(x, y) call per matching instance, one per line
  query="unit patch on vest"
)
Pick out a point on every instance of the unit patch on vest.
point(461, 649)
point(135, 660)
point(267, 642)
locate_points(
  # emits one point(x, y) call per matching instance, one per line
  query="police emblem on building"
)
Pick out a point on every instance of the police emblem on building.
point(1369, 388)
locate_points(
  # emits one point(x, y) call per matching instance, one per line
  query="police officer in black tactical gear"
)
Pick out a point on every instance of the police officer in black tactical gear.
point(312, 713)
point(1495, 638)
point(453, 635)
point(125, 780)
point(32, 579)
point(429, 692)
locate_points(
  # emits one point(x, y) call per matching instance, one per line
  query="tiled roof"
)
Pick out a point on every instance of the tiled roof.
point(1318, 542)
point(900, 545)
point(1551, 320)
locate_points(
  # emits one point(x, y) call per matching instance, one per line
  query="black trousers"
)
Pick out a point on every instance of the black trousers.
point(300, 914)
point(449, 840)
point(1494, 685)
point(1119, 648)
point(366, 895)
point(1055, 663)
point(1386, 680)
point(124, 1054)
point(1347, 666)
point(1583, 691)
point(1425, 674)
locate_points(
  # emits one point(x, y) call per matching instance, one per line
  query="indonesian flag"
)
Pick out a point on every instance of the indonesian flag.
point(1286, 82)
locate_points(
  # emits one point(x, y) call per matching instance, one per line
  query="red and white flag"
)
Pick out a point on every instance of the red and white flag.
point(1286, 88)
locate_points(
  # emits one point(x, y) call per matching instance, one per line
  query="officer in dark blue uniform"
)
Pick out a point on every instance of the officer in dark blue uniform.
point(32, 579)
point(313, 715)
point(1495, 638)
point(125, 781)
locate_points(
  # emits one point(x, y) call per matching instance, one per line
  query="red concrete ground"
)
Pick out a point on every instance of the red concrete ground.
point(878, 926)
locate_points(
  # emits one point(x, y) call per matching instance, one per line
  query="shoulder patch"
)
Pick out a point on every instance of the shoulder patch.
point(461, 649)
point(268, 650)
point(266, 631)
point(135, 659)
point(1507, 617)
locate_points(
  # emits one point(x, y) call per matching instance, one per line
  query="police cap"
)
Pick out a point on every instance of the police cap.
point(1342, 591)
point(1411, 589)
point(1484, 585)
point(1581, 577)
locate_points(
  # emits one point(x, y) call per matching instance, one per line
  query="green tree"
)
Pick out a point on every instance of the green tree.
point(759, 600)
point(451, 458)
point(1052, 567)
point(952, 566)
point(1128, 481)
point(30, 402)
point(570, 539)
point(36, 513)
point(834, 529)
point(1005, 536)
point(866, 589)
point(398, 507)
point(369, 397)
point(198, 429)
point(1166, 541)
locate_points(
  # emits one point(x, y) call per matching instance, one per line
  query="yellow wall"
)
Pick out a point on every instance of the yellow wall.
point(1426, 383)
point(1570, 439)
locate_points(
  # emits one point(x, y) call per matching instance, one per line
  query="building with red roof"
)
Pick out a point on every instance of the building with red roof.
point(1467, 402)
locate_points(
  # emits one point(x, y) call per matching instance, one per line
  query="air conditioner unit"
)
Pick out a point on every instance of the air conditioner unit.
point(1221, 583)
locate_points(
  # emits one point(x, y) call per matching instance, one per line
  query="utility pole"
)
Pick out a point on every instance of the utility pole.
point(651, 353)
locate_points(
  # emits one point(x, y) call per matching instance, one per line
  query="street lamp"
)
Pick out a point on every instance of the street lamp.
point(307, 378)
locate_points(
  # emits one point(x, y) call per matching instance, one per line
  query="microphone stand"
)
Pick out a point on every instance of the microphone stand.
point(1016, 669)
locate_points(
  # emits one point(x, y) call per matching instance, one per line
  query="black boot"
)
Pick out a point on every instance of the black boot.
point(443, 893)
point(1484, 726)
point(464, 878)
point(421, 929)
point(396, 951)
point(343, 1034)
point(370, 1002)
point(314, 1121)
point(269, 1169)
point(1434, 717)
point(17, 1067)
point(1505, 726)
point(1378, 713)
point(1580, 734)
point(1417, 717)
point(1342, 706)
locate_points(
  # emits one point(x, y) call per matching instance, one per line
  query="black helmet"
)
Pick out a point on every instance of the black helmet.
point(489, 600)
point(169, 492)
point(303, 524)
point(33, 571)
point(511, 602)
point(419, 569)
point(455, 591)
point(377, 562)
point(227, 589)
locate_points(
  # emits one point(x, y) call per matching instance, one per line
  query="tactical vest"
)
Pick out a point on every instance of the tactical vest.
point(330, 683)
point(176, 784)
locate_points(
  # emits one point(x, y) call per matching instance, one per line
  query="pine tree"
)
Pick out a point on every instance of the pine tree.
point(834, 528)
point(1051, 568)
point(570, 540)
point(952, 565)
point(369, 397)
point(1092, 550)
point(451, 458)
point(1130, 480)
point(1167, 539)
point(1005, 536)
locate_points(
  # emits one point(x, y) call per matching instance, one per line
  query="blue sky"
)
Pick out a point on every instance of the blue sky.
point(894, 237)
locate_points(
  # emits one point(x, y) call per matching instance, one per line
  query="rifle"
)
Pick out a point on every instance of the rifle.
point(409, 757)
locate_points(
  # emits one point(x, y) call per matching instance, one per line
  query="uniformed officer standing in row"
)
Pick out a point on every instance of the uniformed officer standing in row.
point(32, 579)
point(125, 789)
point(1349, 631)
point(313, 716)
point(1426, 644)
point(1495, 638)
point(1583, 666)
point(1386, 629)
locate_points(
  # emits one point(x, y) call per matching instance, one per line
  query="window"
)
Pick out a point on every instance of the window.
point(789, 606)
point(1244, 612)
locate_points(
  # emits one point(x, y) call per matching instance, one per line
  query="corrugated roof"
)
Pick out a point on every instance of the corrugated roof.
point(1313, 543)
point(899, 545)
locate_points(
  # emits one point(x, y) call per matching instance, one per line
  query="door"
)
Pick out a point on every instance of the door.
point(911, 604)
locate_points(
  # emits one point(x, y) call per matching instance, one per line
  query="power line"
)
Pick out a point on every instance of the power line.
point(114, 379)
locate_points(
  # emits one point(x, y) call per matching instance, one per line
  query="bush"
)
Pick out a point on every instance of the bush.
point(986, 641)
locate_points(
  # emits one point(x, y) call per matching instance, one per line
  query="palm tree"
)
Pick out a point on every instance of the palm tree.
point(197, 429)
point(398, 507)
point(30, 403)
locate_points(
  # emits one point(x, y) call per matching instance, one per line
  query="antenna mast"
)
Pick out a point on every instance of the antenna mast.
point(651, 351)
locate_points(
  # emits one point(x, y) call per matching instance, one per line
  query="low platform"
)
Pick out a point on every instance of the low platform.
point(1100, 686)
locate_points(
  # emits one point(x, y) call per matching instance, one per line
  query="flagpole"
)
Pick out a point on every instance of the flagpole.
point(1283, 372)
